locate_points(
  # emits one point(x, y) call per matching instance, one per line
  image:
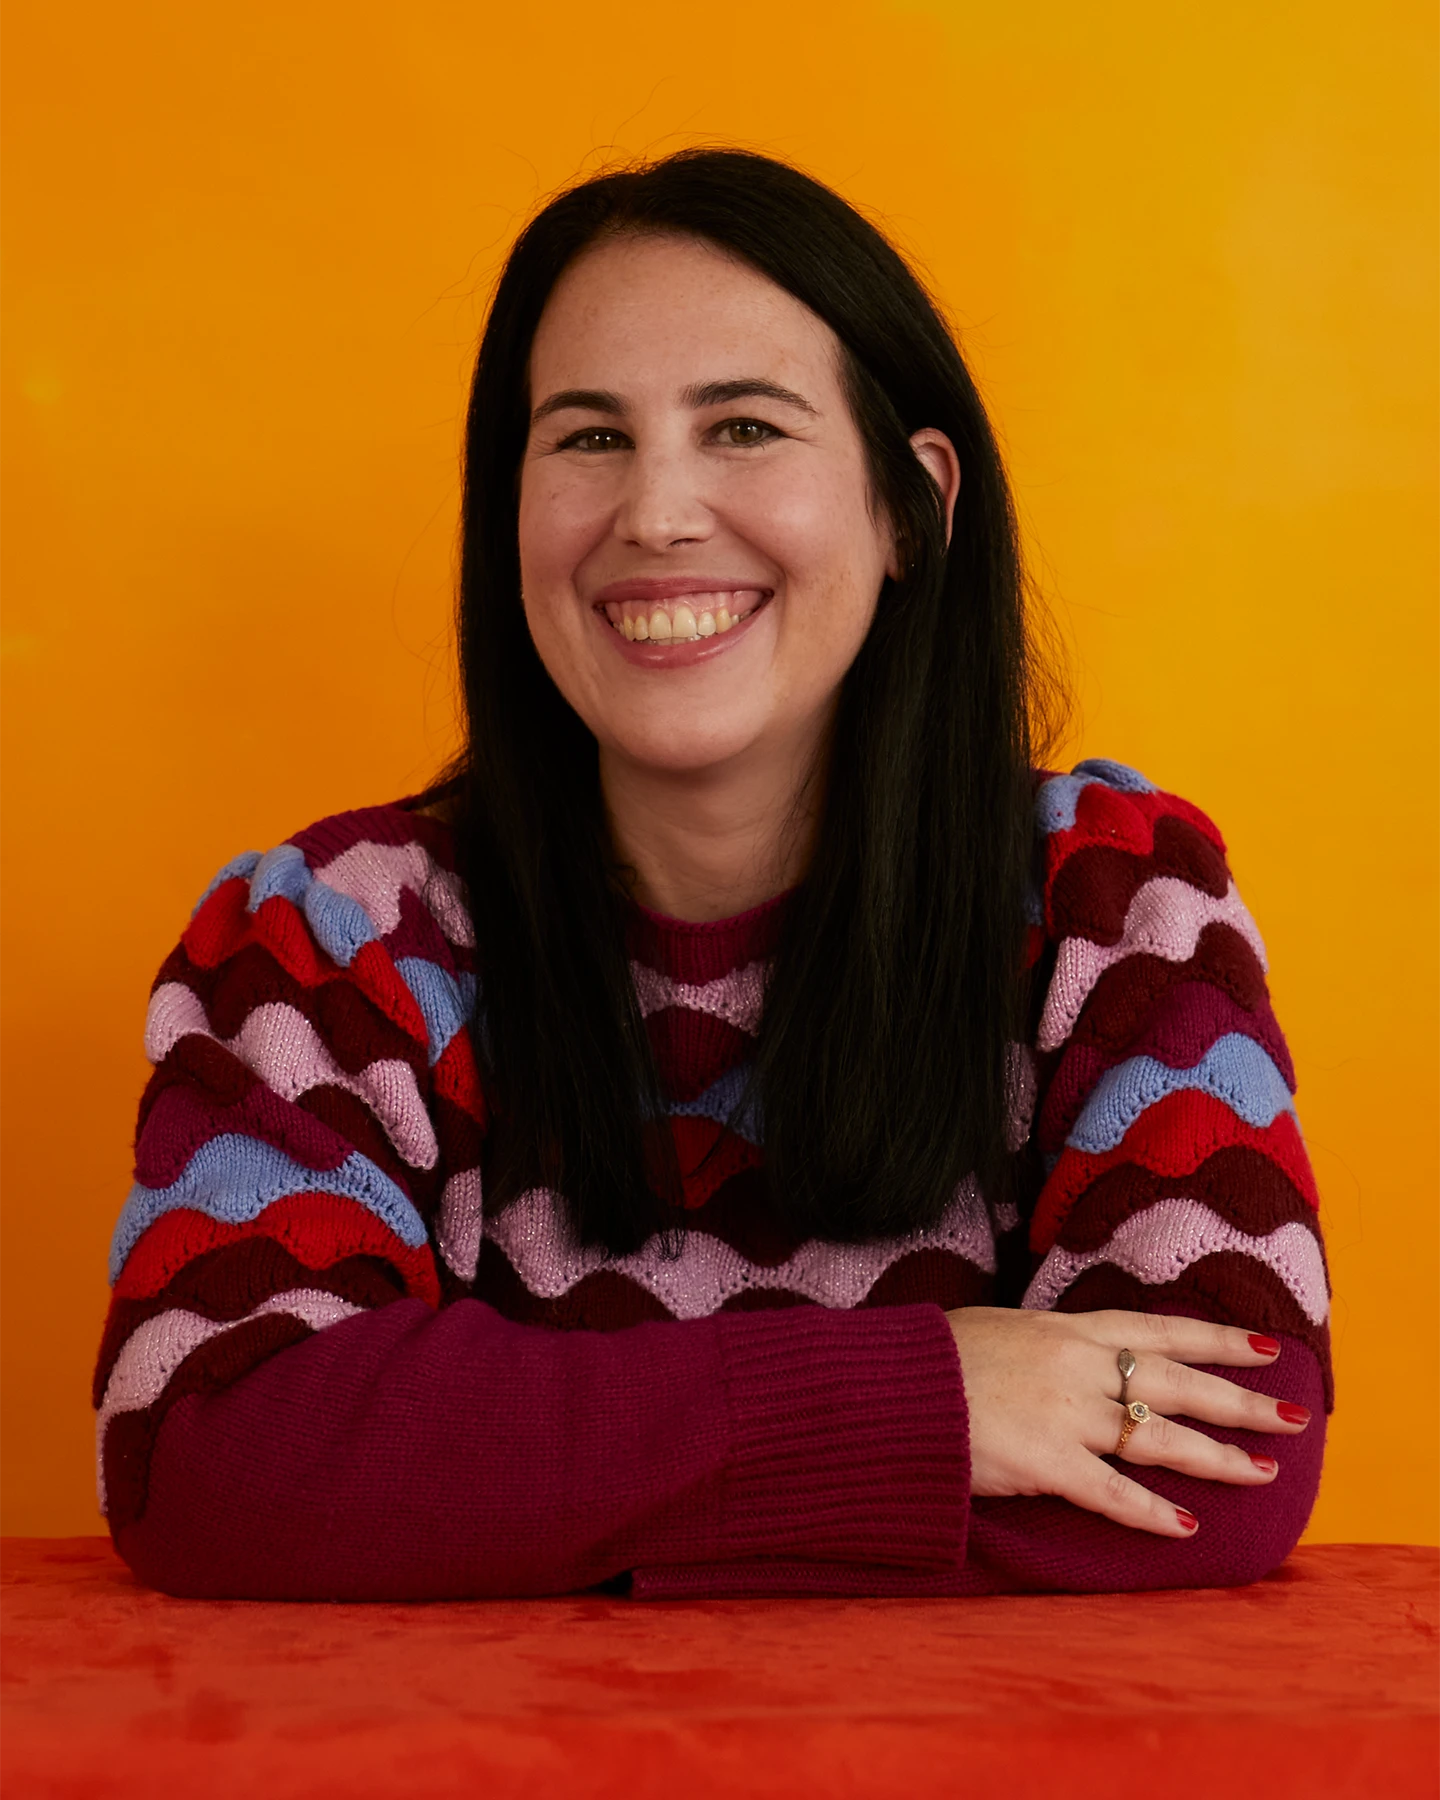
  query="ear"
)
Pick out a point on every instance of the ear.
point(937, 457)
point(942, 465)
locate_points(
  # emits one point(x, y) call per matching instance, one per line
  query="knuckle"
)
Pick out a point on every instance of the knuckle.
point(1119, 1491)
point(1176, 1378)
point(1161, 1433)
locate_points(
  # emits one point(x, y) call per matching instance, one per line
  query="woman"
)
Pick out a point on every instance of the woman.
point(745, 849)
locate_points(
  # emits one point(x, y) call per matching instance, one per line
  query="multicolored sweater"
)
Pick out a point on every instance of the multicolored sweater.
point(329, 1371)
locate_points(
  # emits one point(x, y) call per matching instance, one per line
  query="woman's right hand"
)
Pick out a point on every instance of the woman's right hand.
point(1043, 1393)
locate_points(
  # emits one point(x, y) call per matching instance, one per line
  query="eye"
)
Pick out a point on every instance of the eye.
point(594, 440)
point(742, 433)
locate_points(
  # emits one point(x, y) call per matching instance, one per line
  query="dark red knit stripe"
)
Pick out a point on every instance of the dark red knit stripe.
point(1103, 815)
point(232, 1280)
point(1196, 1017)
point(1090, 891)
point(317, 1229)
point(1228, 1288)
point(396, 823)
point(935, 1278)
point(181, 1119)
point(1243, 1187)
point(694, 1049)
point(1128, 993)
point(706, 951)
point(418, 934)
point(603, 1301)
point(354, 1029)
point(130, 1436)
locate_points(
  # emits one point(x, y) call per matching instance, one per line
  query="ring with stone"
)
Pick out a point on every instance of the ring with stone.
point(1125, 1363)
point(1136, 1413)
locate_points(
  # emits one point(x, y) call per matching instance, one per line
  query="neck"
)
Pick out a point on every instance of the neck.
point(710, 843)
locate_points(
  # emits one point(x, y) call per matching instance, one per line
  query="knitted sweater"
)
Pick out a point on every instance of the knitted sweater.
point(329, 1372)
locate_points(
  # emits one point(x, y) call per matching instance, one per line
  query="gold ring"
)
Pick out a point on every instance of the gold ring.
point(1125, 1363)
point(1136, 1413)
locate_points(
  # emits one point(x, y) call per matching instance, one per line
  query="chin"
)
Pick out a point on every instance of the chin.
point(679, 748)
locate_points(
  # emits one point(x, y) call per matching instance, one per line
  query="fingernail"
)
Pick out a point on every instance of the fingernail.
point(1292, 1414)
point(1187, 1519)
point(1267, 1465)
point(1264, 1346)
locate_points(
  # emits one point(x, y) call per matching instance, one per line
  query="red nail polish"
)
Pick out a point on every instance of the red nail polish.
point(1264, 1346)
point(1292, 1414)
point(1267, 1465)
point(1187, 1519)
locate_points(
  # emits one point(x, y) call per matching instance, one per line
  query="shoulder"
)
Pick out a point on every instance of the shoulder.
point(1134, 881)
point(356, 877)
point(1104, 833)
point(367, 898)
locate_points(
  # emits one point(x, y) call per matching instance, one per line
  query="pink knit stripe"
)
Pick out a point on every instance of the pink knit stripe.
point(154, 1351)
point(374, 874)
point(1161, 1243)
point(461, 1220)
point(1165, 919)
point(283, 1048)
point(535, 1237)
point(737, 998)
point(1172, 1138)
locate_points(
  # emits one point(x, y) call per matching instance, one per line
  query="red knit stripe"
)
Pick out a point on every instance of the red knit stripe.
point(230, 1281)
point(1089, 893)
point(1123, 822)
point(456, 1079)
point(316, 1229)
point(1172, 1139)
point(1240, 1186)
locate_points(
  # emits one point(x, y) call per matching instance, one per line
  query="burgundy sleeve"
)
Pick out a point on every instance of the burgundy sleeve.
point(409, 1455)
point(1047, 1545)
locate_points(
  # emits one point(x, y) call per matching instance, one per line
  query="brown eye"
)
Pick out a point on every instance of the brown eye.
point(744, 432)
point(595, 438)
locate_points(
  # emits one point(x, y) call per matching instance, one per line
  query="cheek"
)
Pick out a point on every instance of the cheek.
point(821, 533)
point(556, 521)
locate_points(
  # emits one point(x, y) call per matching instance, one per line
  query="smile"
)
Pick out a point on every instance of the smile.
point(682, 621)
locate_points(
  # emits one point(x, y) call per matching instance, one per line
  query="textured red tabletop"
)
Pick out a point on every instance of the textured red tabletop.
point(1321, 1680)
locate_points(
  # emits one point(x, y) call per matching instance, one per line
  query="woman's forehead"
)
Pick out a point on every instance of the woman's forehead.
point(675, 312)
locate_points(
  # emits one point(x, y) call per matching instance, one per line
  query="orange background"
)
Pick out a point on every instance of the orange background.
point(1191, 253)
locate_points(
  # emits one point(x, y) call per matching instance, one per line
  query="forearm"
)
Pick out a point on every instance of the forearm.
point(1044, 1544)
point(412, 1455)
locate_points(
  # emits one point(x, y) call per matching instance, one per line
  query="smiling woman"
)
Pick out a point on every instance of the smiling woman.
point(748, 1129)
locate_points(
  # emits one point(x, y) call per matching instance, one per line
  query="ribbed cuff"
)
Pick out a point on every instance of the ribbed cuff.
point(849, 1437)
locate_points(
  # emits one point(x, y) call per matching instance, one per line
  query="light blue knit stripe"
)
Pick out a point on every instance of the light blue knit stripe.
point(719, 1101)
point(233, 1178)
point(1234, 1070)
point(1056, 802)
point(281, 872)
point(245, 865)
point(447, 1001)
point(342, 927)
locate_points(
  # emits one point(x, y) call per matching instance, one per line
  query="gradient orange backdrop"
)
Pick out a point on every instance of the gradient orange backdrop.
point(1191, 254)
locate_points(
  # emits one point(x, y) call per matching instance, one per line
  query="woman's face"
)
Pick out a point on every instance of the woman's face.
point(699, 553)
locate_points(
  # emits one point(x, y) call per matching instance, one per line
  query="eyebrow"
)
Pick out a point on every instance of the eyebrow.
point(702, 394)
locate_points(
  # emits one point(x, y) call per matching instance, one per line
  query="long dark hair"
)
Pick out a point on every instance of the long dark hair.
point(880, 1068)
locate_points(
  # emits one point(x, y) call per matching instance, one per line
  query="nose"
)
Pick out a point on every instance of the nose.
point(662, 504)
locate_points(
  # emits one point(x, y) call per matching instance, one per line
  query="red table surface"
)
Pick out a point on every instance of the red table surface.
point(1321, 1680)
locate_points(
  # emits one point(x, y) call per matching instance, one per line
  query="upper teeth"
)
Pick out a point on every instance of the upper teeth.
point(681, 621)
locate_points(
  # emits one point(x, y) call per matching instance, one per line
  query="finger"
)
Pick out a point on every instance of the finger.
point(1161, 1443)
point(1183, 1340)
point(1099, 1488)
point(1173, 1387)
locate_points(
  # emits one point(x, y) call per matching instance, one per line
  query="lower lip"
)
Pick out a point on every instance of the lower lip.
point(685, 655)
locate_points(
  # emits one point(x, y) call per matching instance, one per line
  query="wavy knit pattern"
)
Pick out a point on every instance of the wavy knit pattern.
point(312, 1140)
